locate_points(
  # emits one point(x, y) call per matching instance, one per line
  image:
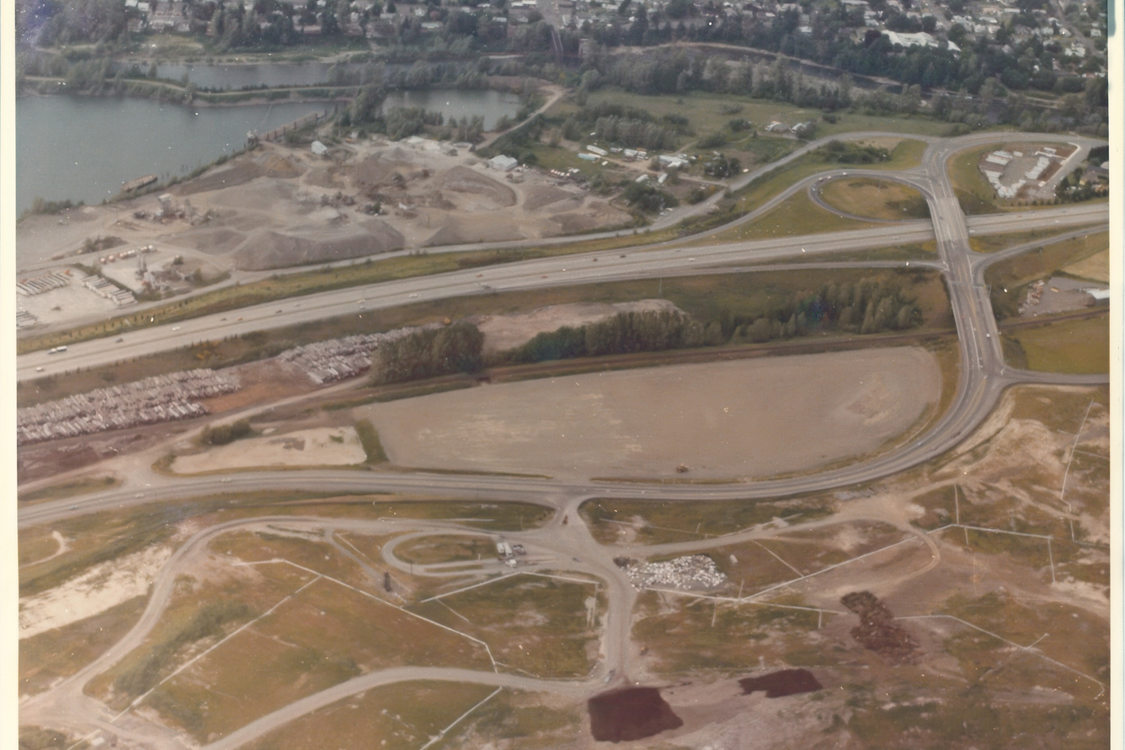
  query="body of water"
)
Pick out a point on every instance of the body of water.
point(246, 75)
point(83, 148)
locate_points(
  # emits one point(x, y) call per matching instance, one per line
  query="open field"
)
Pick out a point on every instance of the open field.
point(70, 488)
point(536, 624)
point(324, 446)
point(857, 401)
point(875, 199)
point(680, 640)
point(62, 651)
point(516, 719)
point(990, 243)
point(1074, 346)
point(397, 717)
point(644, 522)
point(446, 548)
point(797, 215)
point(710, 112)
point(1094, 268)
point(323, 635)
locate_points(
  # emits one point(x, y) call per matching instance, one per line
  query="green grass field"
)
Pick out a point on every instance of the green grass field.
point(875, 199)
point(1070, 346)
point(708, 113)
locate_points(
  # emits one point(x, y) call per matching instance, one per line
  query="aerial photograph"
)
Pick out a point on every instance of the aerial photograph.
point(523, 374)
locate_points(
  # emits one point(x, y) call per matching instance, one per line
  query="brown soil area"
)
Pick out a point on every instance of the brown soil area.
point(877, 629)
point(781, 683)
point(722, 420)
point(630, 714)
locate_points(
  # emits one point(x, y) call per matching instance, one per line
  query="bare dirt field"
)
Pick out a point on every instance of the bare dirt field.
point(751, 418)
point(328, 446)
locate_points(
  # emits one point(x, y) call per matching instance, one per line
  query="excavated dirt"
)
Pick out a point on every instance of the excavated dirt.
point(877, 629)
point(630, 714)
point(781, 683)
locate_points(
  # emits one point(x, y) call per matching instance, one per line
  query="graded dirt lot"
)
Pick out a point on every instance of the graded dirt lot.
point(327, 446)
point(750, 418)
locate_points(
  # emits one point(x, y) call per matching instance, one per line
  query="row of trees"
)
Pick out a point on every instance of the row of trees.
point(427, 353)
point(624, 333)
point(870, 305)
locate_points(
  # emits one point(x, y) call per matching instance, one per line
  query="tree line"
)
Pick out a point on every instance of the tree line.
point(870, 305)
point(428, 353)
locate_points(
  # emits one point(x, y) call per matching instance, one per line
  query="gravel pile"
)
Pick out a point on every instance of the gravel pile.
point(690, 573)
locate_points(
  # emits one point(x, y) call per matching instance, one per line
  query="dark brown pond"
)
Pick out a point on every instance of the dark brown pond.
point(782, 682)
point(630, 714)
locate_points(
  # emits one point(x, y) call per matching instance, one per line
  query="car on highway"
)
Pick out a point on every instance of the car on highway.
point(175, 328)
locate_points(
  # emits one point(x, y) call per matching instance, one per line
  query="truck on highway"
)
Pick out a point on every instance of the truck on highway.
point(57, 350)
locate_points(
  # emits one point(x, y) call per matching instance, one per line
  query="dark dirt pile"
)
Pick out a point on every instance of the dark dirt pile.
point(630, 714)
point(781, 683)
point(877, 629)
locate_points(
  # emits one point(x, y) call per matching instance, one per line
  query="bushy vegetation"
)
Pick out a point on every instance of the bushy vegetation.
point(622, 334)
point(428, 353)
point(852, 153)
point(627, 126)
point(206, 623)
point(646, 197)
point(222, 434)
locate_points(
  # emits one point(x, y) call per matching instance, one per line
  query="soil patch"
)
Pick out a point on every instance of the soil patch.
point(630, 714)
point(781, 683)
point(877, 629)
point(544, 195)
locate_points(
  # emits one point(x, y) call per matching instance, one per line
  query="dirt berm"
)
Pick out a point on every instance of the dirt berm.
point(267, 249)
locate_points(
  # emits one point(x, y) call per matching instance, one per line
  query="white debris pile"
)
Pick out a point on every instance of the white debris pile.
point(338, 359)
point(689, 573)
point(161, 398)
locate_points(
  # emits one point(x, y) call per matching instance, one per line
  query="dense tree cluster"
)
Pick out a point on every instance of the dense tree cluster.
point(624, 333)
point(221, 434)
point(427, 353)
point(627, 126)
point(843, 152)
point(646, 197)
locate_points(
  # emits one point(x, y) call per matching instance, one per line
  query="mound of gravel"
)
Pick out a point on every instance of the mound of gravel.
point(464, 180)
point(460, 231)
point(267, 249)
point(215, 241)
point(538, 196)
point(238, 173)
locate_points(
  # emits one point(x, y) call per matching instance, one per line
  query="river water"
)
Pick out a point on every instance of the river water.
point(83, 148)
